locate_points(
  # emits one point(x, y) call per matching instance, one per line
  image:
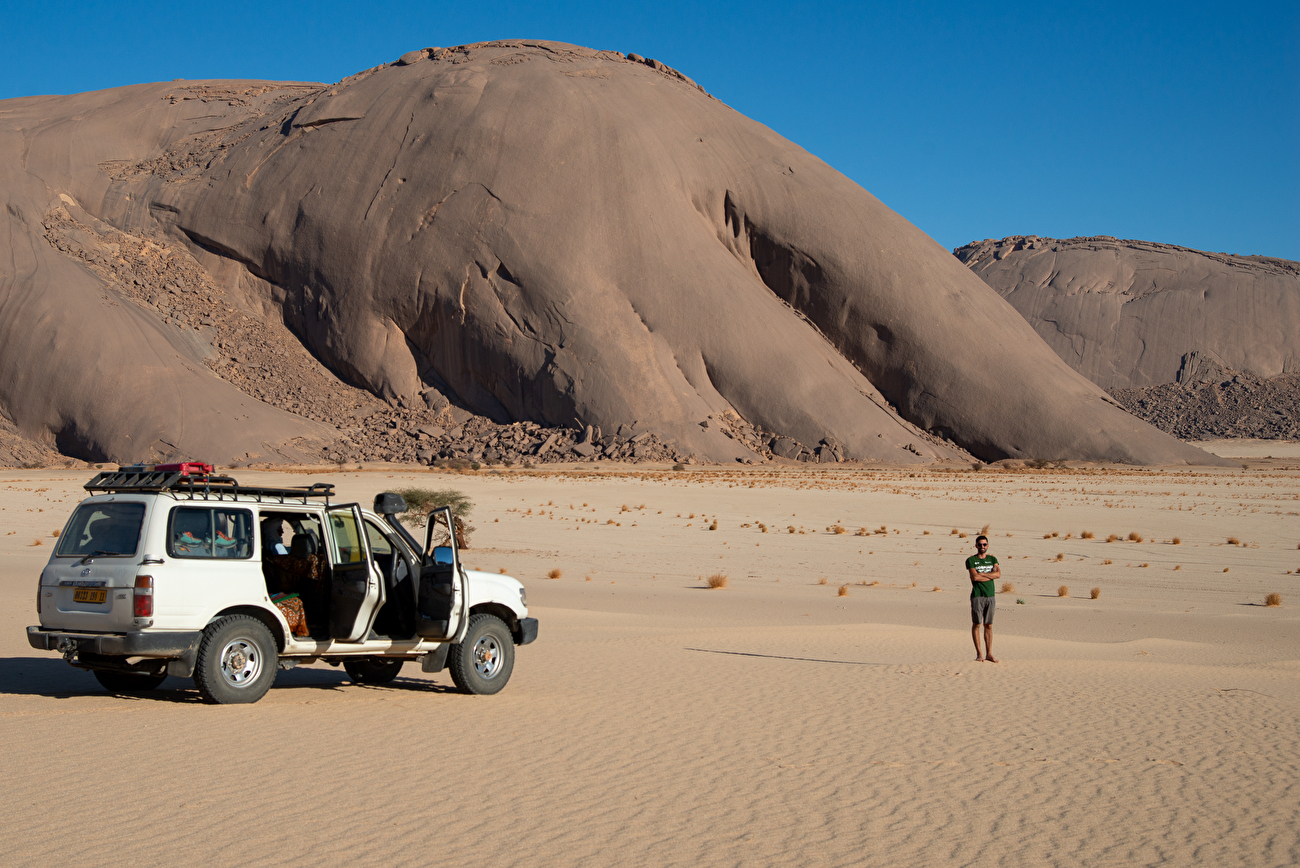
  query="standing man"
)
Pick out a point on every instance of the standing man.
point(984, 570)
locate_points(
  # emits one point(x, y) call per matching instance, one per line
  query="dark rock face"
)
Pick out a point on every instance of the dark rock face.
point(1129, 314)
point(541, 249)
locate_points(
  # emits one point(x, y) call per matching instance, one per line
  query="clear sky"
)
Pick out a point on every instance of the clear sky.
point(1173, 122)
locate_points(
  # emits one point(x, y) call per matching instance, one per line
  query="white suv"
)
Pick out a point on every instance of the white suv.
point(174, 571)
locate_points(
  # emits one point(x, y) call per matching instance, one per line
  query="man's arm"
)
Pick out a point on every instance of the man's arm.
point(995, 573)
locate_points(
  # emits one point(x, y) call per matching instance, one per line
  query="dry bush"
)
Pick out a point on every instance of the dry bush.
point(1176, 541)
point(1144, 566)
point(1095, 593)
point(985, 529)
point(1008, 588)
point(1107, 562)
point(611, 521)
point(822, 580)
point(791, 529)
point(954, 532)
point(717, 580)
point(1060, 556)
point(1047, 536)
point(843, 591)
point(37, 542)
point(554, 574)
point(961, 536)
point(873, 584)
point(862, 531)
point(1087, 534)
point(714, 526)
point(1233, 541)
point(589, 578)
point(925, 533)
point(1134, 536)
point(839, 528)
point(1225, 569)
point(54, 533)
point(1273, 600)
point(1111, 538)
point(501, 570)
point(935, 588)
point(1063, 591)
point(1178, 566)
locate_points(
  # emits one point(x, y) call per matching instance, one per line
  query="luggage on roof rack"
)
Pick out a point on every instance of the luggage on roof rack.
point(137, 479)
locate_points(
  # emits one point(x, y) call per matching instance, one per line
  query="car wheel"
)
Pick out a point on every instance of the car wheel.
point(237, 660)
point(128, 682)
point(373, 670)
point(482, 663)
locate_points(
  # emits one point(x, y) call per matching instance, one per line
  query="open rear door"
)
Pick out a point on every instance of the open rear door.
point(442, 581)
point(356, 586)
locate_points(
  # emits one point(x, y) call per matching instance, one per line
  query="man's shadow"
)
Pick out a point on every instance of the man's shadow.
point(51, 677)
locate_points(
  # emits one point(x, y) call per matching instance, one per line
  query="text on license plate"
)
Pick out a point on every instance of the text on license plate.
point(89, 595)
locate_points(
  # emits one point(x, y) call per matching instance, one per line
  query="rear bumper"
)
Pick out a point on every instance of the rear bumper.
point(165, 645)
point(527, 631)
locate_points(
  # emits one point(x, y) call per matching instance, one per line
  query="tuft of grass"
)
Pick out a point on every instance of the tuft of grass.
point(961, 536)
point(37, 542)
point(1107, 562)
point(1176, 541)
point(1178, 566)
point(1225, 569)
point(1233, 541)
point(935, 589)
point(1134, 536)
point(1008, 588)
point(843, 591)
point(1144, 566)
point(839, 528)
point(55, 533)
point(791, 529)
point(502, 570)
point(1060, 556)
point(985, 529)
point(1063, 591)
point(714, 526)
point(1020, 601)
point(1095, 593)
point(1047, 536)
point(1087, 534)
point(1111, 538)
point(954, 532)
point(822, 580)
point(717, 580)
point(554, 574)
point(589, 578)
point(1273, 600)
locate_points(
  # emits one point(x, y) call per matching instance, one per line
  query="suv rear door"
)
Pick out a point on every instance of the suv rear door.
point(87, 585)
point(356, 586)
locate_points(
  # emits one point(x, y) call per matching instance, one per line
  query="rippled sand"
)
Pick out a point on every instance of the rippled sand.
point(772, 722)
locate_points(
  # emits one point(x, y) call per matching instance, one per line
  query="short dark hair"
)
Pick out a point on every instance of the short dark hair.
point(981, 537)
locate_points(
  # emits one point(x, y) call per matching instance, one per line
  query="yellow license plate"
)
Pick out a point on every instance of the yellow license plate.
point(90, 595)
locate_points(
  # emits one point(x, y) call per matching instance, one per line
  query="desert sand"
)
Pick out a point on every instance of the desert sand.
point(771, 722)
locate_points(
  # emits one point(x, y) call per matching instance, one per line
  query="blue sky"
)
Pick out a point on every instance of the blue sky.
point(1173, 122)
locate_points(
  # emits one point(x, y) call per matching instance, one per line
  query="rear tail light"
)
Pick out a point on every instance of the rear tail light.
point(143, 596)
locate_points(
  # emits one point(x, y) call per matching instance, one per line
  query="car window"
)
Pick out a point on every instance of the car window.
point(106, 528)
point(344, 540)
point(379, 544)
point(198, 532)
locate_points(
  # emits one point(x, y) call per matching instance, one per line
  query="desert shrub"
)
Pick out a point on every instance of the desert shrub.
point(1233, 541)
point(1063, 591)
point(1176, 541)
point(1225, 569)
point(1020, 601)
point(961, 536)
point(1087, 534)
point(843, 591)
point(1008, 588)
point(935, 589)
point(954, 532)
point(717, 580)
point(419, 501)
point(1178, 566)
point(1111, 538)
point(1107, 562)
point(552, 574)
point(822, 580)
point(714, 526)
point(985, 529)
point(1134, 536)
point(55, 533)
point(679, 467)
point(1095, 593)
point(1273, 600)
point(38, 542)
point(839, 528)
point(1047, 536)
point(1060, 556)
point(501, 570)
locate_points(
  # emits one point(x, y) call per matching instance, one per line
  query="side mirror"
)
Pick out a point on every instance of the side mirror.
point(442, 556)
point(389, 503)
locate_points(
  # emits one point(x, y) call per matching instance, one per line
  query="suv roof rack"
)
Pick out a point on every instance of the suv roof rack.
point(203, 487)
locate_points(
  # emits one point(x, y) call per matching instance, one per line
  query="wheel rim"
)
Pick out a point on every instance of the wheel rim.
point(487, 657)
point(241, 662)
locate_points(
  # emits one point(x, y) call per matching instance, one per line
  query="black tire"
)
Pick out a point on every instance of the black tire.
point(237, 660)
point(482, 664)
point(128, 682)
point(373, 670)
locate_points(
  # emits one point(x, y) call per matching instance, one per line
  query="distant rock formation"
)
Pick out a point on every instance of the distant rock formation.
point(1128, 314)
point(1201, 345)
point(551, 237)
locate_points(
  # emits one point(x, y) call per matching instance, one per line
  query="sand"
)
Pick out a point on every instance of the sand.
point(768, 723)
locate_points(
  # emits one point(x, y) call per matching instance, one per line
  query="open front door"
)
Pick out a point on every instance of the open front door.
point(442, 581)
point(356, 586)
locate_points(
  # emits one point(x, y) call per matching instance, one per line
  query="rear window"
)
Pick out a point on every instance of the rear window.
point(198, 532)
point(102, 529)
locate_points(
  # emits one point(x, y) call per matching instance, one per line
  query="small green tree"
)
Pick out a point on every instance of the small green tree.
point(420, 501)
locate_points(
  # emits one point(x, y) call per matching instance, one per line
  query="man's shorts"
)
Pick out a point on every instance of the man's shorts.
point(981, 609)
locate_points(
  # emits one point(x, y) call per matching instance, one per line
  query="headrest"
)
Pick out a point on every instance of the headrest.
point(303, 544)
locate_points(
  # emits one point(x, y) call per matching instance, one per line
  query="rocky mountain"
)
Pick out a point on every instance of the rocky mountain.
point(538, 246)
point(1199, 344)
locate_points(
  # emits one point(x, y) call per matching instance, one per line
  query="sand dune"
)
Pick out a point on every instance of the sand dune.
point(773, 722)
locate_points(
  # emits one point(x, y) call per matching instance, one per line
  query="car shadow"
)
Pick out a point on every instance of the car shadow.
point(52, 678)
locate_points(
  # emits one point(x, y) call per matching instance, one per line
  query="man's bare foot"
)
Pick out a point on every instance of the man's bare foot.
point(979, 659)
point(991, 659)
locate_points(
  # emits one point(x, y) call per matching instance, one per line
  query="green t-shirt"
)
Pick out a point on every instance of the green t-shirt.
point(981, 565)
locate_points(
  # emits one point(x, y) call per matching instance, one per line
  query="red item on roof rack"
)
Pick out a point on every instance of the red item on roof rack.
point(189, 468)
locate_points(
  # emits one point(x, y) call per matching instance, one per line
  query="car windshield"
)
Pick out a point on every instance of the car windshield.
point(102, 528)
